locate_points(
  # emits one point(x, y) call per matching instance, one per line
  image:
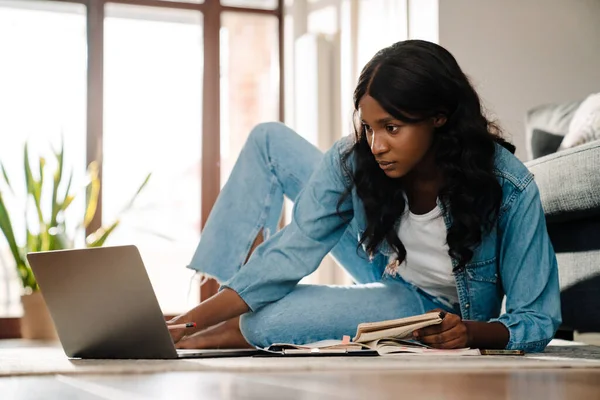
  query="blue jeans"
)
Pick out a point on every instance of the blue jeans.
point(277, 162)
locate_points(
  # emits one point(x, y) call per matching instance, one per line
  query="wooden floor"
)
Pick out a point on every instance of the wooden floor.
point(516, 384)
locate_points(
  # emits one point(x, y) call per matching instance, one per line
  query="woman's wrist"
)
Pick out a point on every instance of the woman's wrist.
point(223, 306)
point(486, 335)
point(188, 316)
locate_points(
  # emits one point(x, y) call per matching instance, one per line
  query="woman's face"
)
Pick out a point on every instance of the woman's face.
point(398, 147)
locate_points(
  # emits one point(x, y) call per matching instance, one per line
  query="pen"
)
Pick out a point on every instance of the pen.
point(181, 326)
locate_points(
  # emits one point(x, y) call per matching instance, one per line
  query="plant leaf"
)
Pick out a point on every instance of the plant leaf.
point(7, 229)
point(67, 190)
point(62, 241)
point(33, 242)
point(28, 174)
point(6, 178)
point(137, 193)
point(98, 238)
point(37, 189)
point(67, 202)
point(31, 182)
point(92, 191)
point(37, 197)
point(68, 198)
point(25, 272)
point(26, 275)
point(42, 165)
point(57, 180)
point(56, 206)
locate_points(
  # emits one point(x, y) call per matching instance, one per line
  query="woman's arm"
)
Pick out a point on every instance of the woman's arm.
point(529, 273)
point(221, 307)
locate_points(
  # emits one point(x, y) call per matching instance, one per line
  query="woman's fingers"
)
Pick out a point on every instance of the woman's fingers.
point(449, 322)
point(440, 338)
point(451, 332)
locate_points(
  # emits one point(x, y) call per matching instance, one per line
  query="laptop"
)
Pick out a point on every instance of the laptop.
point(104, 307)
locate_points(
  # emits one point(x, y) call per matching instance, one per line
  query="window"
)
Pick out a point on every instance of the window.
point(249, 91)
point(186, 1)
point(42, 101)
point(152, 123)
point(149, 64)
point(266, 4)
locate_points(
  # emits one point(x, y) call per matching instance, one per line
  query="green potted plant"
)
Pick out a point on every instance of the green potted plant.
point(49, 195)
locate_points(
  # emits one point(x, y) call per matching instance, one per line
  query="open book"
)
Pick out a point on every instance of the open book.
point(384, 338)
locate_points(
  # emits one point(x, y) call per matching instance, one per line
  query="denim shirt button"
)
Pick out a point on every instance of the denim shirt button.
point(467, 305)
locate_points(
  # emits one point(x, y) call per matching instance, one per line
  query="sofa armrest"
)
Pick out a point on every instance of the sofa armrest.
point(569, 182)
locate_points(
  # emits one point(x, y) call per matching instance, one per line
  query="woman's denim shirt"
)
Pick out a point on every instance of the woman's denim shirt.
point(515, 259)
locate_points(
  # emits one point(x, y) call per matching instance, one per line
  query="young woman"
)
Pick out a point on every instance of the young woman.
point(425, 206)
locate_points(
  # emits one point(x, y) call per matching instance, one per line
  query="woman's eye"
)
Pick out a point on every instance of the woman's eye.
point(392, 128)
point(367, 128)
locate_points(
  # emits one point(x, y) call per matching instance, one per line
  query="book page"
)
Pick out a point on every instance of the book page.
point(401, 332)
point(387, 350)
point(376, 326)
point(322, 344)
point(398, 346)
point(397, 342)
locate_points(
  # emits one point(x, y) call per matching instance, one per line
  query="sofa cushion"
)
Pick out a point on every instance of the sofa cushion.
point(552, 118)
point(585, 124)
point(544, 143)
point(569, 182)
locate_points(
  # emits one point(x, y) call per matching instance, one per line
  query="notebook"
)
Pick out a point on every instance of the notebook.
point(377, 338)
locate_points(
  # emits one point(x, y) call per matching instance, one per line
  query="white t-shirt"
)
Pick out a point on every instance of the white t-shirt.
point(427, 264)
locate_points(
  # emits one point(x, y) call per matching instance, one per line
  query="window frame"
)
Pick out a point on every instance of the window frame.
point(211, 145)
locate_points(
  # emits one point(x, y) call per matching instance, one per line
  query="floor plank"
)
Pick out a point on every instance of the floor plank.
point(542, 384)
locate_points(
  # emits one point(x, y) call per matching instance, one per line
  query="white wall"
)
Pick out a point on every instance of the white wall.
point(423, 20)
point(522, 53)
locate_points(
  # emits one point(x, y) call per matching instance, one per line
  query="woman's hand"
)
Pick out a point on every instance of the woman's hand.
point(178, 333)
point(452, 333)
point(223, 306)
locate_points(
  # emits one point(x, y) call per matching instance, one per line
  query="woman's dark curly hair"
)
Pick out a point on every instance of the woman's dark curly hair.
point(419, 78)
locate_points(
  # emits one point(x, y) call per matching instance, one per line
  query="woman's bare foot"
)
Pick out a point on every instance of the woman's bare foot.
point(224, 336)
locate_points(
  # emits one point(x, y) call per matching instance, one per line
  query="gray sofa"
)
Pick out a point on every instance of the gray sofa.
point(569, 183)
